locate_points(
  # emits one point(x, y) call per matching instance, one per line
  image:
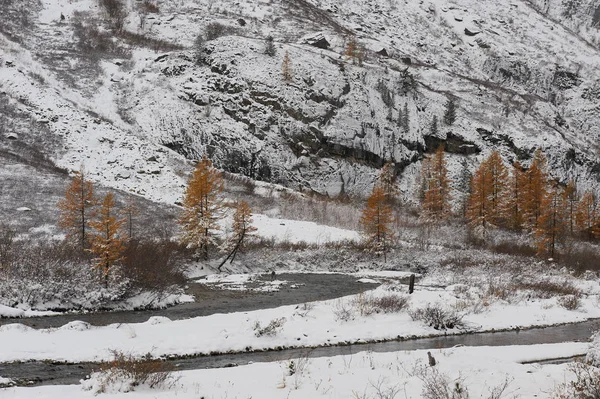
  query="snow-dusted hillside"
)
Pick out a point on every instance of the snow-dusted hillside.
point(525, 74)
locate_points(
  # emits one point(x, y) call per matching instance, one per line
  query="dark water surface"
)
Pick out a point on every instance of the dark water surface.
point(210, 300)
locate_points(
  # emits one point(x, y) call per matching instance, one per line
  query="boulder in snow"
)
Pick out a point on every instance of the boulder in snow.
point(318, 41)
point(472, 30)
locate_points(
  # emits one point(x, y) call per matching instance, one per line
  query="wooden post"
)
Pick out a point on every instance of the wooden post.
point(411, 284)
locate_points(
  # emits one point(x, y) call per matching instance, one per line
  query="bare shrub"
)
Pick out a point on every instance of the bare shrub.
point(305, 309)
point(155, 266)
point(92, 41)
point(271, 329)
point(437, 317)
point(569, 302)
point(581, 258)
point(139, 40)
point(585, 385)
point(215, 30)
point(298, 368)
point(150, 7)
point(116, 12)
point(131, 371)
point(385, 392)
point(391, 303)
point(593, 356)
point(547, 289)
point(198, 49)
point(342, 311)
point(514, 248)
point(437, 386)
point(364, 304)
point(7, 240)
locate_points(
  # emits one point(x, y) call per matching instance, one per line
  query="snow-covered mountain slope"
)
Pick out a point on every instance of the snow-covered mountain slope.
point(525, 75)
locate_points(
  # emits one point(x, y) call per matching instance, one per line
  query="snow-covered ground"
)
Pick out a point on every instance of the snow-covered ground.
point(295, 231)
point(242, 282)
point(345, 320)
point(143, 300)
point(6, 311)
point(477, 370)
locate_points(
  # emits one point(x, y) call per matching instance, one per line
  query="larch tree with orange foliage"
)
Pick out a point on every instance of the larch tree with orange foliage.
point(352, 51)
point(485, 207)
point(76, 209)
point(387, 181)
point(202, 208)
point(535, 190)
point(498, 183)
point(286, 67)
point(435, 205)
point(107, 241)
point(586, 215)
point(376, 223)
point(488, 190)
point(552, 224)
point(513, 205)
point(571, 199)
point(242, 229)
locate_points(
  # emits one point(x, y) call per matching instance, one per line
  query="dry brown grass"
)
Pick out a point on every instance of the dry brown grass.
point(127, 369)
point(547, 289)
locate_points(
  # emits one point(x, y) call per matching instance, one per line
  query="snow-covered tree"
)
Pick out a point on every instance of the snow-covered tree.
point(450, 112)
point(270, 49)
point(242, 230)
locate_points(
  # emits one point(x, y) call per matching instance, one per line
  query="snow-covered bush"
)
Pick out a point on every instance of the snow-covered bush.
point(569, 302)
point(366, 304)
point(585, 383)
point(271, 329)
point(593, 356)
point(342, 311)
point(43, 275)
point(437, 386)
point(437, 316)
point(391, 303)
point(53, 275)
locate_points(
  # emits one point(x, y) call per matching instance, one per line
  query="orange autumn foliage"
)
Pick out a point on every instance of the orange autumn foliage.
point(76, 208)
point(486, 203)
point(376, 223)
point(435, 205)
point(202, 208)
point(107, 242)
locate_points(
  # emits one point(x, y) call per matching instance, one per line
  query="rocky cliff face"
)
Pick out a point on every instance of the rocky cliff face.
point(524, 74)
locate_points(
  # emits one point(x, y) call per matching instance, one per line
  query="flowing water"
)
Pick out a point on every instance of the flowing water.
point(44, 373)
point(302, 288)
